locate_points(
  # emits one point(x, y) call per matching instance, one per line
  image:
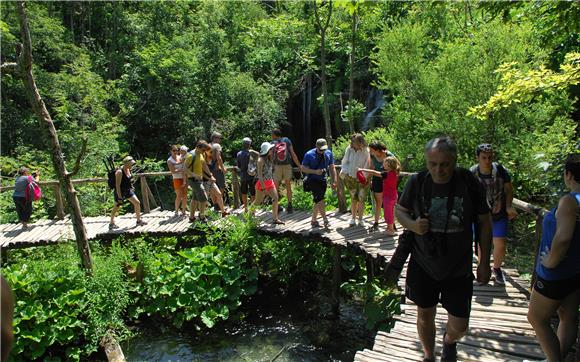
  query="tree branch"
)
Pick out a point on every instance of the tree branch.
point(80, 156)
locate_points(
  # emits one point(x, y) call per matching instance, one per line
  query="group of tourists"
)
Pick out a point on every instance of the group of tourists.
point(443, 209)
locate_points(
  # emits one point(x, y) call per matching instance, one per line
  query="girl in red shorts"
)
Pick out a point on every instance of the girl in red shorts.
point(175, 164)
point(265, 184)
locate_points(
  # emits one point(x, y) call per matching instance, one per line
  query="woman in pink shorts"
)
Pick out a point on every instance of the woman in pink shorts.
point(265, 184)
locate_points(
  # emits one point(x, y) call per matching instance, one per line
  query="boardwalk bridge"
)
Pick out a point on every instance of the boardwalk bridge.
point(498, 331)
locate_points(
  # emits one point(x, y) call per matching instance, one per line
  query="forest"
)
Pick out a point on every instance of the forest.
point(134, 78)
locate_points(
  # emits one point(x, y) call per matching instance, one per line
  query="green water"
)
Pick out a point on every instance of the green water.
point(281, 327)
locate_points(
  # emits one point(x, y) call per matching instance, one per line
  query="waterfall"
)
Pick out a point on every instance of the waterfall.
point(374, 102)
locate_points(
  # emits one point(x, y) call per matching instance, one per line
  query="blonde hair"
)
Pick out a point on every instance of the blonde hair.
point(393, 163)
point(358, 138)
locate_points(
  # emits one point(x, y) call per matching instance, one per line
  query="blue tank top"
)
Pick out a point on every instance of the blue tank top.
point(570, 265)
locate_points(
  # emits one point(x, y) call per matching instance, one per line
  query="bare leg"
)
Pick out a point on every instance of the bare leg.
point(499, 250)
point(288, 191)
point(192, 208)
point(136, 205)
point(378, 202)
point(353, 204)
point(426, 329)
point(455, 329)
point(568, 327)
point(245, 201)
point(274, 196)
point(113, 213)
point(540, 312)
point(260, 194)
point(178, 198)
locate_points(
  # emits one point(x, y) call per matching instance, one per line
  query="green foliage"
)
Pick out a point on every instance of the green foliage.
point(58, 308)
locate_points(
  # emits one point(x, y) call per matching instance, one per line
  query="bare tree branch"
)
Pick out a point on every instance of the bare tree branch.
point(80, 156)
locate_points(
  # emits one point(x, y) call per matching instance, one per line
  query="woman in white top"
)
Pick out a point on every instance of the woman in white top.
point(356, 156)
point(175, 164)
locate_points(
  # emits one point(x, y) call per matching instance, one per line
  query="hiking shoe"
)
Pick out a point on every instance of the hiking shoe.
point(140, 223)
point(289, 209)
point(352, 222)
point(361, 223)
point(449, 352)
point(315, 224)
point(374, 227)
point(499, 277)
point(113, 226)
point(326, 224)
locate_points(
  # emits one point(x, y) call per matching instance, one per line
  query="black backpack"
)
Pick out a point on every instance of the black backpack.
point(111, 170)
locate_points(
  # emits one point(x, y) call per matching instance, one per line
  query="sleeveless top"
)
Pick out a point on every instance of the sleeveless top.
point(570, 265)
point(178, 168)
point(267, 170)
point(125, 181)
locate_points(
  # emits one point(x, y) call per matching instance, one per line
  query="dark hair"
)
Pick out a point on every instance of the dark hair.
point(174, 146)
point(484, 147)
point(572, 165)
point(377, 145)
point(276, 132)
point(22, 171)
point(442, 143)
point(358, 137)
point(202, 144)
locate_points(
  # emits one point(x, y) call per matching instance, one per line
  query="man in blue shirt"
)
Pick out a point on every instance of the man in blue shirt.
point(317, 163)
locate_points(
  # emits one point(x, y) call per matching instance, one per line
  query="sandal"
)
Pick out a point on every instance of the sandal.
point(141, 223)
point(315, 224)
point(203, 220)
point(113, 226)
point(326, 224)
point(278, 222)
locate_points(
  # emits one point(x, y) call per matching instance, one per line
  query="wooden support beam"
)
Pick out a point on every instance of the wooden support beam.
point(150, 196)
point(144, 195)
point(340, 193)
point(236, 188)
point(60, 212)
point(336, 280)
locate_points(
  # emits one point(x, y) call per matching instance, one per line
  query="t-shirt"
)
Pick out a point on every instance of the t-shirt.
point(353, 160)
point(390, 179)
point(20, 186)
point(570, 265)
point(446, 252)
point(494, 186)
point(315, 161)
point(242, 161)
point(197, 164)
point(288, 160)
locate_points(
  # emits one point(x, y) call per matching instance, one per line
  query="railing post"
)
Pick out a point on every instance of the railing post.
point(144, 195)
point(236, 187)
point(340, 195)
point(538, 236)
point(150, 196)
point(59, 202)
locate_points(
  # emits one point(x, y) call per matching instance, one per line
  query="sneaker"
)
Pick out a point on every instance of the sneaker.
point(141, 223)
point(361, 223)
point(113, 226)
point(289, 209)
point(499, 277)
point(449, 352)
point(352, 222)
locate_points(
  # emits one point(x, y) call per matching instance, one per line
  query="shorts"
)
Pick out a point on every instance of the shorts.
point(177, 183)
point(500, 228)
point(318, 189)
point(23, 208)
point(358, 191)
point(377, 184)
point(268, 183)
point(557, 289)
point(220, 178)
point(282, 172)
point(248, 186)
point(198, 189)
point(126, 194)
point(454, 294)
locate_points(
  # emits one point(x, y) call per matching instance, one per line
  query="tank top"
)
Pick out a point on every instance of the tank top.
point(178, 168)
point(125, 181)
point(378, 166)
point(570, 265)
point(267, 170)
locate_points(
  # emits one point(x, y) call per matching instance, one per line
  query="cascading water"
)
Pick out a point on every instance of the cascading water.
point(374, 102)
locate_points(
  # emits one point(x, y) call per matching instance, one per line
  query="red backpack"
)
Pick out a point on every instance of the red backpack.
point(281, 153)
point(33, 191)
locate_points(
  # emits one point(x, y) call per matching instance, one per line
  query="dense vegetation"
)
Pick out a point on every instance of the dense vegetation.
point(193, 282)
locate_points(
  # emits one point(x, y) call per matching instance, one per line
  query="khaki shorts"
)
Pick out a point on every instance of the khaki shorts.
point(282, 172)
point(357, 190)
point(199, 194)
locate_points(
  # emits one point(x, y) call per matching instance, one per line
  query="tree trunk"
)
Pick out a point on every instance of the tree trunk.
point(64, 177)
point(326, 109)
point(351, 63)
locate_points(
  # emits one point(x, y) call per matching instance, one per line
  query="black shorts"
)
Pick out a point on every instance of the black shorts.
point(454, 294)
point(318, 189)
point(377, 184)
point(248, 185)
point(557, 289)
point(126, 194)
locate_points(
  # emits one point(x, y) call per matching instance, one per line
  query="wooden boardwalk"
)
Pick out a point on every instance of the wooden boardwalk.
point(498, 328)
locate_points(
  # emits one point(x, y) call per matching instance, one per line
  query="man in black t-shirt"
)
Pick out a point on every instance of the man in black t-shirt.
point(439, 206)
point(500, 194)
